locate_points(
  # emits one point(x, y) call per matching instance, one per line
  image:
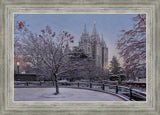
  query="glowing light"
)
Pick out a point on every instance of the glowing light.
point(18, 63)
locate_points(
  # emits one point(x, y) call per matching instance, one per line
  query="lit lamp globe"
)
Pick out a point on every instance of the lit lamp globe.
point(18, 67)
point(17, 63)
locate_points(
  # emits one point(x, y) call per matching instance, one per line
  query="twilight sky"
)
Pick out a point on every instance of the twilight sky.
point(109, 25)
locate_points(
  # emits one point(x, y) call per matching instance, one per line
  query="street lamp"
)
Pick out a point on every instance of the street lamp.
point(18, 66)
point(107, 72)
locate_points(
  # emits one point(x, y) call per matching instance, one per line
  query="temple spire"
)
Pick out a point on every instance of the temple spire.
point(94, 29)
point(85, 29)
point(85, 33)
point(102, 41)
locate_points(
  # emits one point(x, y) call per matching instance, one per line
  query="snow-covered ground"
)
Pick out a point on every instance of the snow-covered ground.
point(66, 94)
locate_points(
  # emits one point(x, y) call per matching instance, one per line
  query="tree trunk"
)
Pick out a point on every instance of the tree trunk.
point(52, 79)
point(56, 84)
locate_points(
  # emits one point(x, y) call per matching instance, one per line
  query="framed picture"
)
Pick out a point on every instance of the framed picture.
point(80, 57)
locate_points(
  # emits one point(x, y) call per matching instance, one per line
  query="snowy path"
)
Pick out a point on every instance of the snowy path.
point(66, 94)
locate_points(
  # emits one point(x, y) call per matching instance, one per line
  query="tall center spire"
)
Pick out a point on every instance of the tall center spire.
point(94, 29)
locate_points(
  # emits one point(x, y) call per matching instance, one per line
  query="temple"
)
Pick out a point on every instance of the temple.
point(94, 46)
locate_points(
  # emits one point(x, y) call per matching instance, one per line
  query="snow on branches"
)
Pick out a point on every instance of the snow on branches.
point(47, 48)
point(20, 32)
point(47, 52)
point(132, 47)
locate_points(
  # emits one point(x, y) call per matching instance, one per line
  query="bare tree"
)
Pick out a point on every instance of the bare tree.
point(20, 32)
point(47, 53)
point(132, 46)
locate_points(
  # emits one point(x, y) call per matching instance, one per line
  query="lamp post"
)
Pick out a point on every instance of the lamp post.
point(107, 72)
point(18, 67)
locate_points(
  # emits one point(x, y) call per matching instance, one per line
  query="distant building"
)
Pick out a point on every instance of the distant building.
point(94, 47)
point(90, 56)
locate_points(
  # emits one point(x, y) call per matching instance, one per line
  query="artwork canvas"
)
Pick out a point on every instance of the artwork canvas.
point(79, 57)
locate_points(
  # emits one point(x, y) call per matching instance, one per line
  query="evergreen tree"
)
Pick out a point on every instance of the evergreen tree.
point(114, 65)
